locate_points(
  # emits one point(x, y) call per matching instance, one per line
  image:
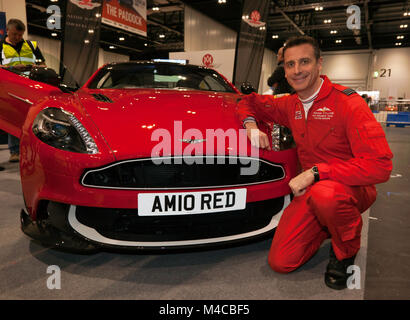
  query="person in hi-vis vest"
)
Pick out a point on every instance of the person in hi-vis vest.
point(19, 54)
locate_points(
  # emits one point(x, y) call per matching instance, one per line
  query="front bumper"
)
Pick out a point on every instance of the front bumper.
point(86, 230)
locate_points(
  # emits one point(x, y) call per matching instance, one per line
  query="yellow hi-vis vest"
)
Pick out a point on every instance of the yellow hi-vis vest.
point(11, 57)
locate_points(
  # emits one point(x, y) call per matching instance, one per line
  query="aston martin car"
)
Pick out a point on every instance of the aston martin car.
point(145, 155)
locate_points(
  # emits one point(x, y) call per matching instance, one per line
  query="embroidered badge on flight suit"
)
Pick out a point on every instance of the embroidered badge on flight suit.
point(323, 113)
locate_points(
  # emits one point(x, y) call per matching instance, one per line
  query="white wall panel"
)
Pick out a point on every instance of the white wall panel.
point(348, 68)
point(203, 33)
point(355, 69)
point(268, 66)
point(105, 57)
point(15, 9)
point(396, 81)
point(50, 49)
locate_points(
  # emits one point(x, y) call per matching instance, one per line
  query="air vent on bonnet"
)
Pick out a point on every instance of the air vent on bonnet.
point(101, 97)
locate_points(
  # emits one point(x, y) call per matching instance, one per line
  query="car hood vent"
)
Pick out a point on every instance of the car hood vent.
point(101, 97)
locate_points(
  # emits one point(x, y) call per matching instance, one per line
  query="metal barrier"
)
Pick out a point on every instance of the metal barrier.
point(392, 112)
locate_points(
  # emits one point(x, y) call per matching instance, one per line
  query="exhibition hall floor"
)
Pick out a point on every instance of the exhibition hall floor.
point(240, 272)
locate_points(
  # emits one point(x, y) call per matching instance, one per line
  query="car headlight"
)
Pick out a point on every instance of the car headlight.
point(60, 129)
point(282, 138)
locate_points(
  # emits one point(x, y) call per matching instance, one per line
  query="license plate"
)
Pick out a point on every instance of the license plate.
point(183, 203)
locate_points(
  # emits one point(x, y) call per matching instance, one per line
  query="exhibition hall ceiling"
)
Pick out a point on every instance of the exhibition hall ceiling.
point(382, 24)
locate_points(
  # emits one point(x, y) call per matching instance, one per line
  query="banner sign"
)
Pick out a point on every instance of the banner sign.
point(81, 38)
point(2, 25)
point(129, 15)
point(251, 42)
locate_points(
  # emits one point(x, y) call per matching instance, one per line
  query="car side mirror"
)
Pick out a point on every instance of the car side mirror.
point(45, 75)
point(246, 88)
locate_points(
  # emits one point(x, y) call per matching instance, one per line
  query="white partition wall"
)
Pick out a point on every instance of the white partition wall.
point(50, 49)
point(203, 33)
point(15, 9)
point(105, 57)
point(384, 70)
point(268, 66)
point(391, 73)
point(348, 68)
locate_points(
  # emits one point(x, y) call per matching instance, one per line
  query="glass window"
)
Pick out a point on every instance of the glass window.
point(161, 76)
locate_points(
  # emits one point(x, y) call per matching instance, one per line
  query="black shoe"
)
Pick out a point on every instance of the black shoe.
point(336, 272)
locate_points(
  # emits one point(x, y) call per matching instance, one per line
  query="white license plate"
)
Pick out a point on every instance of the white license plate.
point(182, 203)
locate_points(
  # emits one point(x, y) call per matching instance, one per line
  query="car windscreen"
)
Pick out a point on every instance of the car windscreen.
point(160, 76)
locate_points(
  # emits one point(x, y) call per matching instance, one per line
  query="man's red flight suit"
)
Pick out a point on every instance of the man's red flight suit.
point(343, 139)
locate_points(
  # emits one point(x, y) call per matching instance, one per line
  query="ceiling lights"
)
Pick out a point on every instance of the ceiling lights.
point(319, 9)
point(275, 36)
point(155, 8)
point(403, 26)
point(221, 1)
point(400, 37)
point(327, 21)
point(338, 41)
point(406, 14)
point(333, 31)
point(398, 43)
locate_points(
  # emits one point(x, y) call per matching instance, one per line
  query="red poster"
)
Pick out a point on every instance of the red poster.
point(130, 15)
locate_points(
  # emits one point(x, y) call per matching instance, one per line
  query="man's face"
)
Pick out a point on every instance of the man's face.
point(302, 70)
point(14, 35)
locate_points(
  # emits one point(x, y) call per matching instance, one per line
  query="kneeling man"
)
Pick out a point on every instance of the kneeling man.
point(343, 152)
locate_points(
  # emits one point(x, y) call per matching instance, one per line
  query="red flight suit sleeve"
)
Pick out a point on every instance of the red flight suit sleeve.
point(371, 162)
point(263, 108)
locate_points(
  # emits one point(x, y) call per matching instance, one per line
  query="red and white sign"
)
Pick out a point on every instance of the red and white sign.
point(85, 4)
point(255, 20)
point(220, 60)
point(208, 61)
point(126, 15)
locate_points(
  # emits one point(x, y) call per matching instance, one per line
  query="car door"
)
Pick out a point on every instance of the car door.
point(17, 95)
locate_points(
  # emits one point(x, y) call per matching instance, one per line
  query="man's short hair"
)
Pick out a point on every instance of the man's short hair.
point(16, 23)
point(299, 40)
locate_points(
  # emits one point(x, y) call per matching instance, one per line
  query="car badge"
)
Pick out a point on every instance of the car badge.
point(192, 140)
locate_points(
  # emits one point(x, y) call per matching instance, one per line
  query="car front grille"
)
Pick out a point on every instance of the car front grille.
point(183, 173)
point(126, 225)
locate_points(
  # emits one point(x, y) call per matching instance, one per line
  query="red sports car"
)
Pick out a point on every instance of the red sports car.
point(145, 155)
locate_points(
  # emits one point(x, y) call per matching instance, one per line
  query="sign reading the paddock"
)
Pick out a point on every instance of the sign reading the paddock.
point(251, 42)
point(130, 15)
point(81, 38)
